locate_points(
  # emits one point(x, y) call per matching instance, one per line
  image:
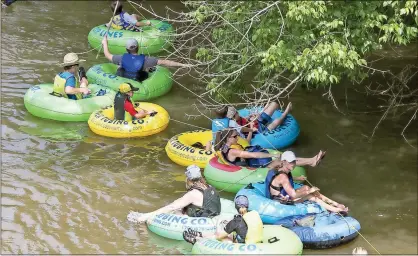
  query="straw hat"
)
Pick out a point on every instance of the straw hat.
point(71, 59)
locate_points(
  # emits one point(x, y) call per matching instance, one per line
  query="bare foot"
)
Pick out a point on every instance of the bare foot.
point(318, 158)
point(342, 207)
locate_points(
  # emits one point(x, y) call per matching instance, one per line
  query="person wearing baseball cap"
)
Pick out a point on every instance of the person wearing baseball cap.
point(65, 83)
point(280, 187)
point(123, 106)
point(200, 200)
point(246, 226)
point(133, 65)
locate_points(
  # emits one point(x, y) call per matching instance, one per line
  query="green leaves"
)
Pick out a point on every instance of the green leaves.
point(324, 41)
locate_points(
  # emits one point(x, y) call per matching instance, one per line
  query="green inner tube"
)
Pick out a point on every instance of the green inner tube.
point(276, 240)
point(158, 83)
point(39, 102)
point(171, 225)
point(232, 178)
point(151, 39)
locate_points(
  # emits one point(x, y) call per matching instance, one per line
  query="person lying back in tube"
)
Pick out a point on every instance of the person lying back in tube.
point(123, 106)
point(228, 117)
point(65, 83)
point(201, 199)
point(123, 21)
point(133, 65)
point(280, 187)
point(246, 227)
point(231, 153)
point(262, 121)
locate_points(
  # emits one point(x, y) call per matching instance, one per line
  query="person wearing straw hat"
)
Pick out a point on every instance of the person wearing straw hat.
point(123, 107)
point(280, 187)
point(201, 199)
point(122, 20)
point(65, 84)
point(133, 65)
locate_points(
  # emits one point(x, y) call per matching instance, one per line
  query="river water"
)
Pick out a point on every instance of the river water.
point(67, 190)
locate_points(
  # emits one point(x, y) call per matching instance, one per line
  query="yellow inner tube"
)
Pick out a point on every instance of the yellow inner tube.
point(179, 148)
point(102, 122)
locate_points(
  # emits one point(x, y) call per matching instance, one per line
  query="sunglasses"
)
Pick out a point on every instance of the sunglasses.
point(234, 136)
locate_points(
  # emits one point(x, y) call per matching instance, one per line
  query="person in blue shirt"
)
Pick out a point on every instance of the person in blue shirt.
point(65, 83)
point(133, 65)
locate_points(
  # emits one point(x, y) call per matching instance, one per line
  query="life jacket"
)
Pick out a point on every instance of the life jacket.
point(269, 179)
point(59, 86)
point(219, 124)
point(223, 156)
point(118, 22)
point(211, 205)
point(255, 227)
point(257, 162)
point(132, 64)
point(119, 108)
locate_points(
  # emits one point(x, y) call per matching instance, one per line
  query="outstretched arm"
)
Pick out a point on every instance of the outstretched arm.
point(180, 203)
point(106, 52)
point(246, 154)
point(171, 63)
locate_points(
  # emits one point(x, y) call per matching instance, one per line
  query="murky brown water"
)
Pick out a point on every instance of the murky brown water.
point(67, 190)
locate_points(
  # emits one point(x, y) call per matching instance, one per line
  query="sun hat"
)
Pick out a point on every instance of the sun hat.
point(288, 156)
point(127, 87)
point(131, 44)
point(231, 112)
point(193, 172)
point(71, 59)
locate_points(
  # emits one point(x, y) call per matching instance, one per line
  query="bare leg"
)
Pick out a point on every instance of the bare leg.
point(278, 121)
point(269, 110)
point(323, 204)
point(313, 161)
point(331, 202)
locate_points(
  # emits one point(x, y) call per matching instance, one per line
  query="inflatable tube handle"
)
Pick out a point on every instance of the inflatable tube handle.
point(273, 240)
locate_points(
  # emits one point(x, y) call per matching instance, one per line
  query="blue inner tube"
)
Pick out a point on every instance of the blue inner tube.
point(281, 137)
point(272, 211)
point(329, 230)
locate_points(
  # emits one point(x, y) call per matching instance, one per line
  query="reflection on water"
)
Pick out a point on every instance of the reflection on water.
point(67, 190)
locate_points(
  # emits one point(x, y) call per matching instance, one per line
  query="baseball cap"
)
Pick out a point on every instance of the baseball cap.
point(241, 201)
point(193, 172)
point(127, 87)
point(131, 44)
point(231, 112)
point(288, 156)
